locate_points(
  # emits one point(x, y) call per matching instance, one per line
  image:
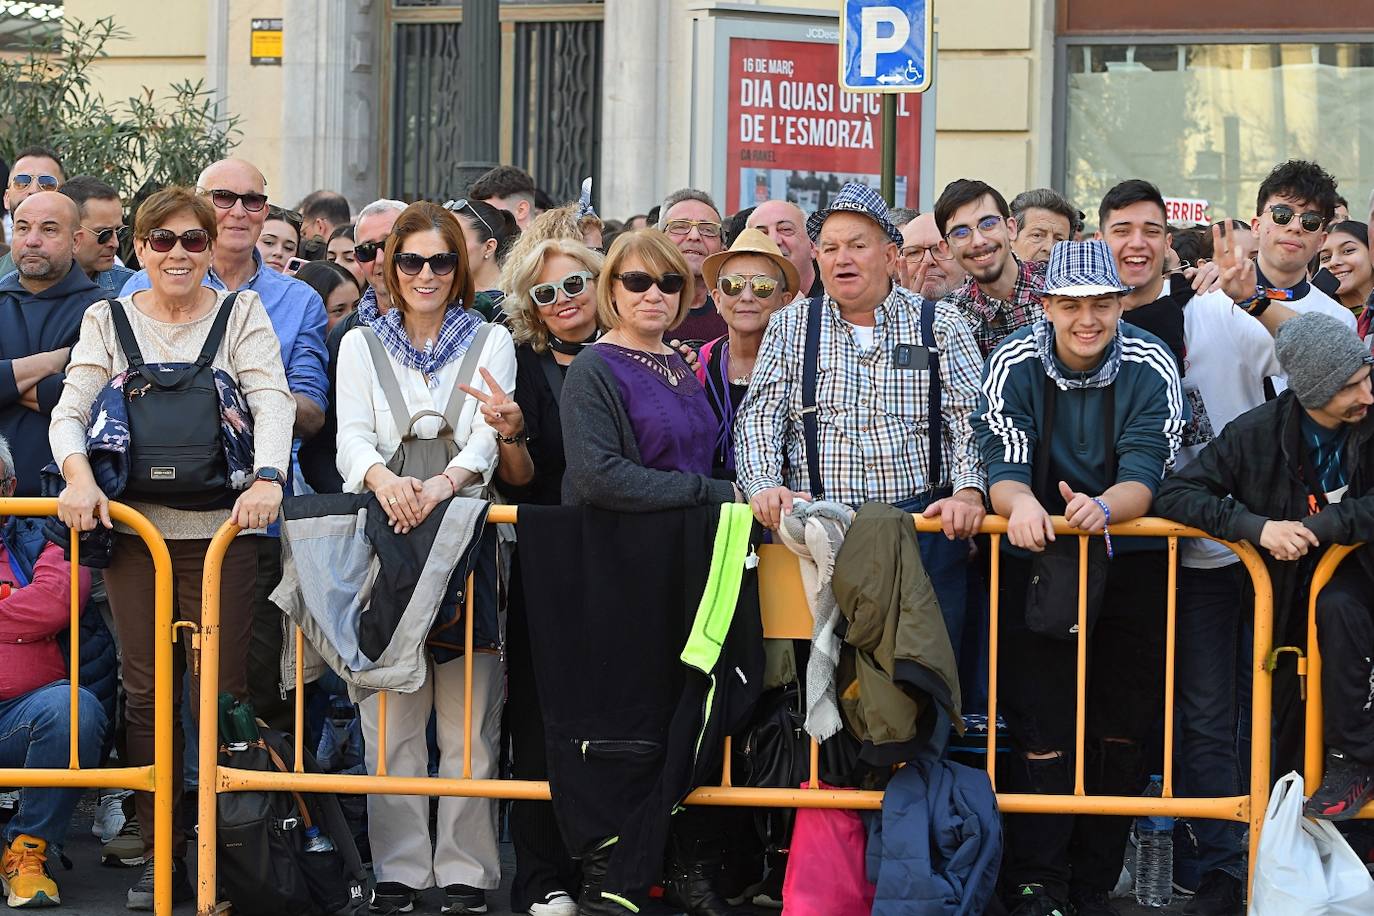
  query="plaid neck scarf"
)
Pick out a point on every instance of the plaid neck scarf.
point(1103, 376)
point(455, 334)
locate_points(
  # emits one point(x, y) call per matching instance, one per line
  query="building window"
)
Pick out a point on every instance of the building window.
point(1209, 121)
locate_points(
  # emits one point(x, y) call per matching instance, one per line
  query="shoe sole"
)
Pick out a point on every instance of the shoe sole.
point(459, 909)
point(112, 861)
point(390, 908)
point(39, 899)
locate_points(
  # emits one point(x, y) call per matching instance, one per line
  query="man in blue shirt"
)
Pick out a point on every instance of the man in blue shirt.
point(238, 191)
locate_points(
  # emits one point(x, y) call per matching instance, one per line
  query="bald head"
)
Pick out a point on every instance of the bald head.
point(44, 239)
point(785, 223)
point(232, 171)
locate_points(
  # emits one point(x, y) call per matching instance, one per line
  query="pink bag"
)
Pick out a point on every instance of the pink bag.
point(826, 873)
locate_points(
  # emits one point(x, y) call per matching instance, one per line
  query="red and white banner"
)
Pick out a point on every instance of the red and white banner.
point(1186, 211)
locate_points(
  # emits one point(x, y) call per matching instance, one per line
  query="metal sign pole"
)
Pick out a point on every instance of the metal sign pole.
point(890, 148)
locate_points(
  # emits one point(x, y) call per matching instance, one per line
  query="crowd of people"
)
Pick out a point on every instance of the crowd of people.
point(982, 357)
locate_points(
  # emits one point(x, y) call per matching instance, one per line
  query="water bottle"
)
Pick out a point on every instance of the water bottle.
point(1154, 856)
point(316, 841)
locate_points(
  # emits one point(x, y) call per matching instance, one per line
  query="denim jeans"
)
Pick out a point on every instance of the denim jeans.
point(34, 734)
point(946, 564)
point(1213, 606)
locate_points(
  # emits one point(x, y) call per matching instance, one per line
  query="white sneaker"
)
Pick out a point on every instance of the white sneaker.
point(109, 816)
point(556, 903)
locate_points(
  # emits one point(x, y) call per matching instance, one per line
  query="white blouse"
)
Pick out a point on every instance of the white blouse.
point(368, 433)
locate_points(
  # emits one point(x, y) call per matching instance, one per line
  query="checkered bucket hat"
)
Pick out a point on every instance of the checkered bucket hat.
point(1082, 269)
point(856, 198)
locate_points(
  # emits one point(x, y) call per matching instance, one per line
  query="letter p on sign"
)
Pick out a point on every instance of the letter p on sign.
point(877, 40)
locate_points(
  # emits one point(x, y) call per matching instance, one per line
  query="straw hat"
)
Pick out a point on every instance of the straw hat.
point(750, 241)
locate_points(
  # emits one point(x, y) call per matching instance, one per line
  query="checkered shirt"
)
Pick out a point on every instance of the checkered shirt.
point(992, 320)
point(871, 415)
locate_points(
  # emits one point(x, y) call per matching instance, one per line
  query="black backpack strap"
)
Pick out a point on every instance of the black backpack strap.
point(934, 422)
point(810, 422)
point(217, 331)
point(125, 333)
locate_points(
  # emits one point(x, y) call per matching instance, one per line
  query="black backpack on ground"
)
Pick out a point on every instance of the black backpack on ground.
point(264, 869)
point(176, 449)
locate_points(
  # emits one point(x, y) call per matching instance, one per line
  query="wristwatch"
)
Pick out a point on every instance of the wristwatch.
point(271, 475)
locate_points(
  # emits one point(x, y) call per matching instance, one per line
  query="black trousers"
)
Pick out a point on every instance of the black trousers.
point(1037, 697)
point(542, 863)
point(1345, 633)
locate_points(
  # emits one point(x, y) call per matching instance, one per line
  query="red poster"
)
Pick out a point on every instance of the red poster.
point(793, 134)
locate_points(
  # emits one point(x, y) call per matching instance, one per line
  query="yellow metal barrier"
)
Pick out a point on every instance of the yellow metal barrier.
point(158, 777)
point(785, 615)
point(1314, 744)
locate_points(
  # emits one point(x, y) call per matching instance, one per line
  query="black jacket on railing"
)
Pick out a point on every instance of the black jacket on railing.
point(1250, 474)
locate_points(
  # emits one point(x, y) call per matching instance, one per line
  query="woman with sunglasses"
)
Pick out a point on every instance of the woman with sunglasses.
point(550, 305)
point(425, 335)
point(174, 237)
point(751, 281)
point(489, 233)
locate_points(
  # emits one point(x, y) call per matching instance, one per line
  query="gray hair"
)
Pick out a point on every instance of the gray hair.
point(678, 196)
point(6, 460)
point(900, 216)
point(1044, 199)
point(385, 205)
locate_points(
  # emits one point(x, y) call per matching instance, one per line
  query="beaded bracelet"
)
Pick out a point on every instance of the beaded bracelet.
point(1106, 511)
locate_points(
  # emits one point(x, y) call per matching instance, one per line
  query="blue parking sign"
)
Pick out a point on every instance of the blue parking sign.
point(885, 45)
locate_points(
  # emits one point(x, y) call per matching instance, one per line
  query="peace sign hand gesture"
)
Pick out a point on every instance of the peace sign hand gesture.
point(502, 414)
point(1238, 278)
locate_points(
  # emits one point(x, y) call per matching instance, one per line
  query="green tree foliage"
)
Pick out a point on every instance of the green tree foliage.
point(149, 141)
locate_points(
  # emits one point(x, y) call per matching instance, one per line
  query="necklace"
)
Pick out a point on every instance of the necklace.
point(572, 349)
point(661, 361)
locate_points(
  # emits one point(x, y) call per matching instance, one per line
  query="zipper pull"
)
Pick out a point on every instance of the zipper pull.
point(584, 750)
point(752, 560)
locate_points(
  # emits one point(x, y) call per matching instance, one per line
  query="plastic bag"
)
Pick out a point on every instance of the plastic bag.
point(1305, 867)
point(826, 872)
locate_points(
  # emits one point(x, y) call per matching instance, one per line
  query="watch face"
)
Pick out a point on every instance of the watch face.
point(269, 474)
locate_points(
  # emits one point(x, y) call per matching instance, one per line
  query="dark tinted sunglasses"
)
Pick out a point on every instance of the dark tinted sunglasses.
point(1283, 214)
point(193, 241)
point(225, 200)
point(366, 253)
point(410, 263)
point(22, 180)
point(103, 236)
point(573, 285)
point(637, 281)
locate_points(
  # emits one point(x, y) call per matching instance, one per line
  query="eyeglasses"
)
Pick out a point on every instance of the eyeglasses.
point(22, 180)
point(225, 199)
point(915, 254)
point(733, 285)
point(573, 285)
point(366, 253)
point(681, 228)
point(1283, 215)
point(458, 206)
point(103, 236)
point(637, 281)
point(963, 233)
point(193, 241)
point(410, 263)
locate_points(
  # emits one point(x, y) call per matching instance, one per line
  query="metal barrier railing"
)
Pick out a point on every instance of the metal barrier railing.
point(1310, 670)
point(785, 615)
point(156, 778)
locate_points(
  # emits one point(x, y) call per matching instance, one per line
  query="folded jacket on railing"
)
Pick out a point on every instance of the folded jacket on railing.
point(637, 686)
point(366, 597)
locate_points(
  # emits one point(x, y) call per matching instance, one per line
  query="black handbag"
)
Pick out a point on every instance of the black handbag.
point(176, 449)
point(1052, 592)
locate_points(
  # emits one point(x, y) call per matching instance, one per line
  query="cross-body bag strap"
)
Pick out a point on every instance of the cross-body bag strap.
point(381, 364)
point(934, 422)
point(467, 371)
point(1041, 475)
point(810, 422)
point(552, 374)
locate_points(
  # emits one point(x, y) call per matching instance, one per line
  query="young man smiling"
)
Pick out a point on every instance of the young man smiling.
point(1002, 293)
point(1080, 415)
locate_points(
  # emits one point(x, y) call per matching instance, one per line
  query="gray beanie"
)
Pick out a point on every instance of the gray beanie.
point(1319, 353)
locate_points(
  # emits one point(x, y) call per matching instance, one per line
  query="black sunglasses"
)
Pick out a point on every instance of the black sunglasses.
point(193, 241)
point(410, 263)
point(22, 180)
point(366, 253)
point(225, 200)
point(637, 281)
point(1283, 215)
point(103, 236)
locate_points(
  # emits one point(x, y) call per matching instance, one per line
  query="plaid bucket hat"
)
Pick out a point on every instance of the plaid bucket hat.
point(856, 198)
point(1082, 269)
